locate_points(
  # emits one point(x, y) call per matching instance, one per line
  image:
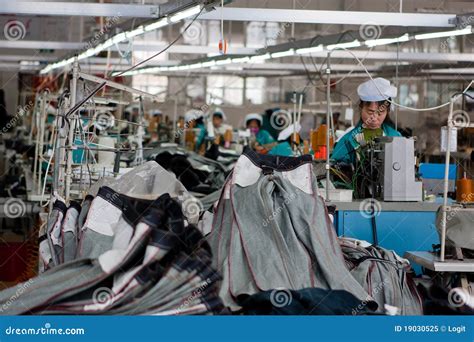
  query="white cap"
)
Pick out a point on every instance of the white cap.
point(156, 112)
point(219, 111)
point(193, 114)
point(253, 116)
point(288, 131)
point(375, 90)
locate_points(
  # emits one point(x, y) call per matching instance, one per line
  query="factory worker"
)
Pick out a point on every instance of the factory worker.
point(264, 141)
point(218, 121)
point(374, 121)
point(194, 119)
point(285, 141)
point(158, 127)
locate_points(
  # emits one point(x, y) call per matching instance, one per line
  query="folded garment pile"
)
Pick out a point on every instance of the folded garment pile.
point(271, 230)
point(118, 254)
point(384, 275)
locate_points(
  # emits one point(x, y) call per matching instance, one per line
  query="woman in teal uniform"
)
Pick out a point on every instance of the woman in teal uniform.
point(194, 118)
point(264, 140)
point(374, 120)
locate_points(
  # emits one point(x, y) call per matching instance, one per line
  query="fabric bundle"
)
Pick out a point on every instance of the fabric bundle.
point(119, 255)
point(271, 230)
point(384, 275)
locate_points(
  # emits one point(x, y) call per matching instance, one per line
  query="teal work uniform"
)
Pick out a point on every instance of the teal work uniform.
point(264, 138)
point(282, 149)
point(201, 136)
point(344, 150)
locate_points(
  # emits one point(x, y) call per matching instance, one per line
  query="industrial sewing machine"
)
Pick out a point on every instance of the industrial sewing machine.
point(385, 169)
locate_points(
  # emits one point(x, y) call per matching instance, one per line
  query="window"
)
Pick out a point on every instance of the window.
point(152, 84)
point(225, 90)
point(255, 87)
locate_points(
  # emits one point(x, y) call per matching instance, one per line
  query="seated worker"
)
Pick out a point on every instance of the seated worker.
point(158, 128)
point(194, 119)
point(218, 121)
point(263, 140)
point(374, 121)
point(286, 141)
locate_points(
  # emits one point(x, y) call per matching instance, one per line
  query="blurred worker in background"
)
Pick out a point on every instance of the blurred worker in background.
point(286, 141)
point(218, 121)
point(263, 140)
point(194, 120)
point(375, 96)
point(158, 127)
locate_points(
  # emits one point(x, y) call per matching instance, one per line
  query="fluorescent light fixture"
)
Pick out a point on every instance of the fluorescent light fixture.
point(260, 57)
point(312, 49)
point(386, 41)
point(240, 60)
point(223, 61)
point(156, 25)
point(467, 30)
point(185, 14)
point(352, 44)
point(138, 31)
point(209, 64)
point(195, 66)
point(280, 54)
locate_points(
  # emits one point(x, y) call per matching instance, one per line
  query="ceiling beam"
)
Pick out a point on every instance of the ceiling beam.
point(331, 17)
point(137, 46)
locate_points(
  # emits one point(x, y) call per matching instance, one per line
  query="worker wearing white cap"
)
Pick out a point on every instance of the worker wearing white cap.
point(285, 139)
point(218, 121)
point(264, 140)
point(375, 97)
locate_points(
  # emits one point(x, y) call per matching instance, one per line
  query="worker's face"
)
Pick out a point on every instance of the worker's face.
point(373, 114)
point(217, 121)
point(253, 126)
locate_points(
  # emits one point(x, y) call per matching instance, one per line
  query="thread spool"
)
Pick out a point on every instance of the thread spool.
point(464, 190)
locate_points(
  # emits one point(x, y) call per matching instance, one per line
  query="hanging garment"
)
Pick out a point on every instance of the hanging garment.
point(310, 301)
point(155, 265)
point(384, 275)
point(459, 232)
point(271, 230)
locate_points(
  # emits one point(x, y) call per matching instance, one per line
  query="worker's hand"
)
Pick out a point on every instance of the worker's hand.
point(259, 149)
